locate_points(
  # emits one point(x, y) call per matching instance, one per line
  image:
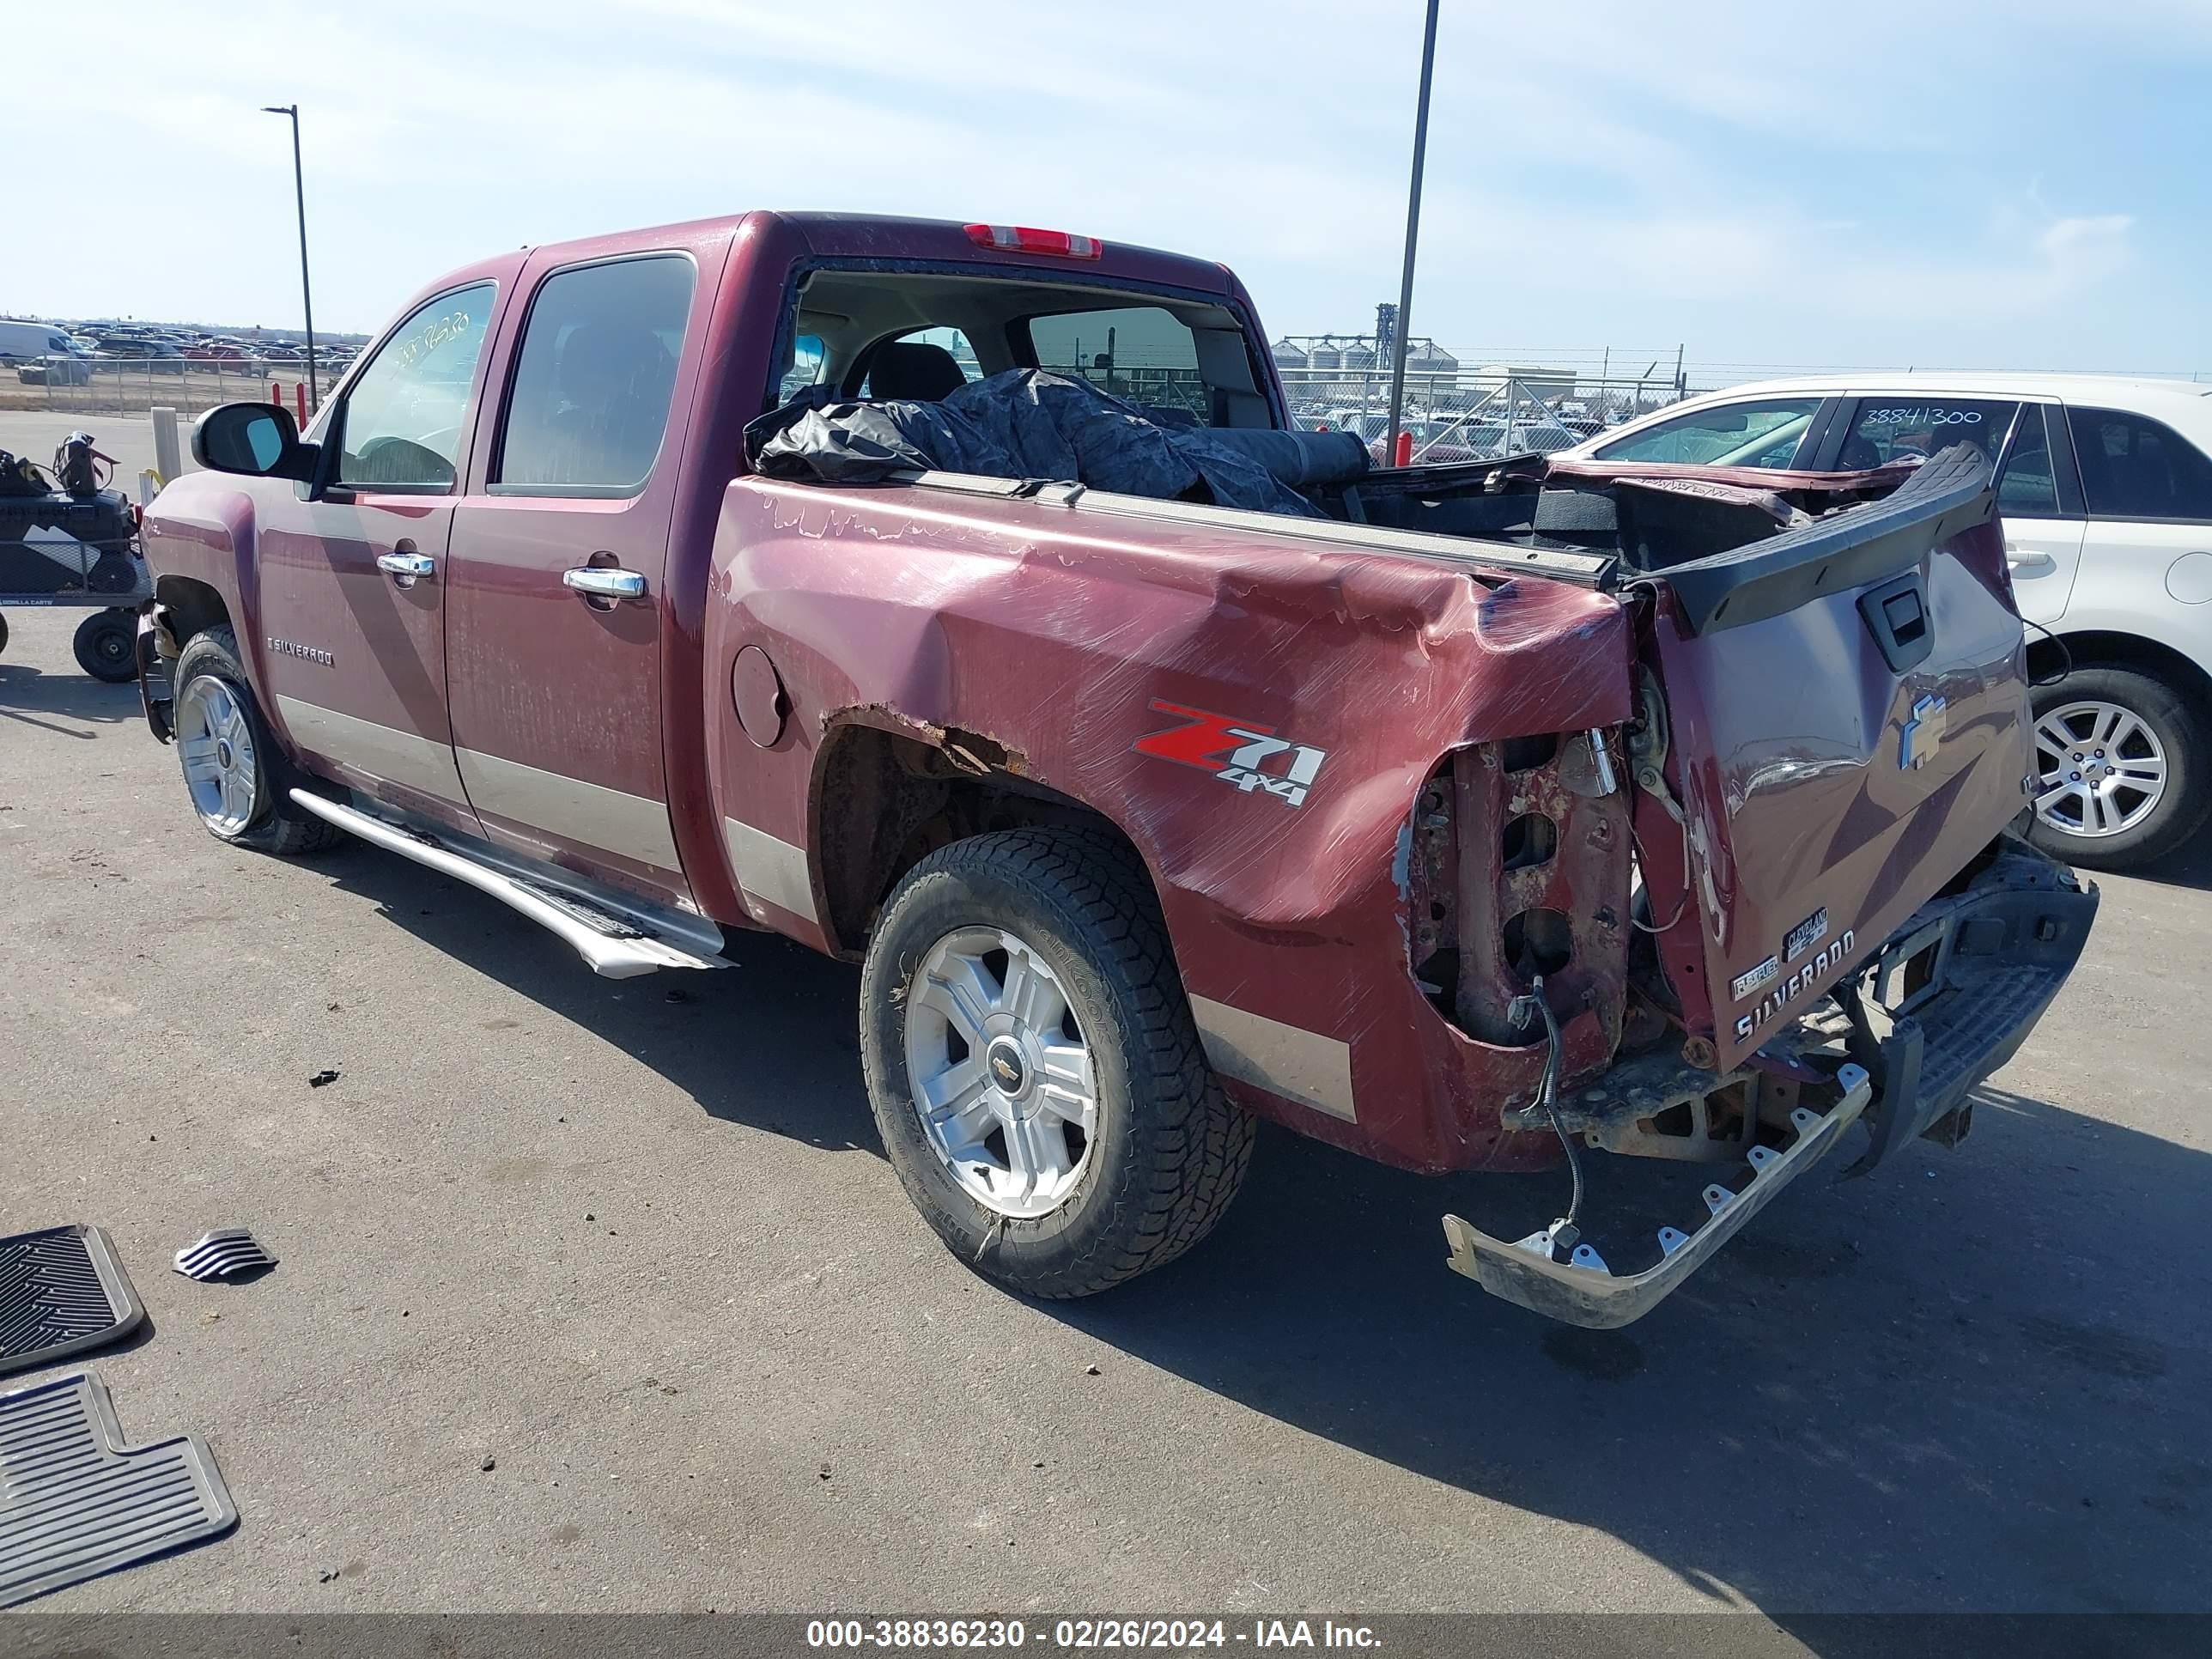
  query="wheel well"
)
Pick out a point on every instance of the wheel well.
point(884, 801)
point(2047, 657)
point(193, 607)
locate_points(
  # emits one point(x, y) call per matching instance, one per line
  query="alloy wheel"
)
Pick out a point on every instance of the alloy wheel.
point(2102, 769)
point(1002, 1075)
point(215, 742)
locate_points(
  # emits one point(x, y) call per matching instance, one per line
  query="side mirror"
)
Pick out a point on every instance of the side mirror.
point(258, 439)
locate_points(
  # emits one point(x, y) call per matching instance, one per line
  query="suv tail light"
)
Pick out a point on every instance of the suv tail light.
point(1020, 239)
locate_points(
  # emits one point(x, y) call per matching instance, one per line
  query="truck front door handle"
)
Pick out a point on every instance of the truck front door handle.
point(407, 566)
point(2030, 560)
point(604, 582)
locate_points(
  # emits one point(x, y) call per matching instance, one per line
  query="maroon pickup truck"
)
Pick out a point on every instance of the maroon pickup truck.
point(1488, 816)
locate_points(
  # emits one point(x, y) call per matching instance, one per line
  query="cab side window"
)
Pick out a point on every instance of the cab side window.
point(593, 378)
point(1146, 354)
point(1764, 434)
point(406, 414)
point(2133, 467)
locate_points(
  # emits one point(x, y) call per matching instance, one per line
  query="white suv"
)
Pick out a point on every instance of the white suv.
point(2105, 489)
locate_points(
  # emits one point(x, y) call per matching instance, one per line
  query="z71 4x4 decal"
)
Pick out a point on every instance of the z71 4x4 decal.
point(1250, 756)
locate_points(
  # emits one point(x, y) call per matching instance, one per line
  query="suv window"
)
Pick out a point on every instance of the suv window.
point(405, 414)
point(593, 377)
point(2133, 467)
point(1143, 353)
point(1912, 428)
point(1765, 433)
point(2027, 489)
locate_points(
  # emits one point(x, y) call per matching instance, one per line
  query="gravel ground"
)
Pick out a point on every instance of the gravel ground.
point(635, 1245)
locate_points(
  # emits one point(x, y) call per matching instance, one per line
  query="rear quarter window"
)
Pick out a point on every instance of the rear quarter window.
point(2134, 467)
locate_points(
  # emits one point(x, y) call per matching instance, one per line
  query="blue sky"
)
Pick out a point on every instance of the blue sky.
point(2015, 185)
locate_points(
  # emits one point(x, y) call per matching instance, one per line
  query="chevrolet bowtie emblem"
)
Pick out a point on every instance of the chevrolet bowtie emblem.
point(1922, 732)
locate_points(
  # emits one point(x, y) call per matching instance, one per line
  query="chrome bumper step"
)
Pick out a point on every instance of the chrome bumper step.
point(612, 945)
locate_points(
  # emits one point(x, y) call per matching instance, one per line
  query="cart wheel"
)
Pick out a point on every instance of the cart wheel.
point(107, 646)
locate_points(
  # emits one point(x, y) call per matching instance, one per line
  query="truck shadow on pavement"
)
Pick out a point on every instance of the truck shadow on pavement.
point(1972, 1381)
point(2188, 866)
point(786, 1053)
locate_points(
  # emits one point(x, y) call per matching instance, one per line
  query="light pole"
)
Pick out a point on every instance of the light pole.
point(299, 196)
point(1412, 234)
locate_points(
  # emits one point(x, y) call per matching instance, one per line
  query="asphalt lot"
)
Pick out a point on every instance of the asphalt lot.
point(646, 1256)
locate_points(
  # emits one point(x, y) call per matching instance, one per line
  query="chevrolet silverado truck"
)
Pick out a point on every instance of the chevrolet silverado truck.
point(1490, 816)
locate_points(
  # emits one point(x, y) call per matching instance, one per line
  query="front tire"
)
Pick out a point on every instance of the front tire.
point(1033, 1068)
point(238, 780)
point(2122, 775)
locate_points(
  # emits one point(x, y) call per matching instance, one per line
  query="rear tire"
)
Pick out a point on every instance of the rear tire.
point(238, 780)
point(2124, 775)
point(1085, 969)
point(106, 645)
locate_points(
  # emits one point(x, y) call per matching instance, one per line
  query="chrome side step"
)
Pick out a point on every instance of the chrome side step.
point(614, 945)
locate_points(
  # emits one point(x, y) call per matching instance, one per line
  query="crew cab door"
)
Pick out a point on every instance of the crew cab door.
point(557, 599)
point(353, 593)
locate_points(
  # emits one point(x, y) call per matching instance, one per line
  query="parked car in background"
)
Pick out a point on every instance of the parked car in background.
point(57, 368)
point(155, 356)
point(2105, 491)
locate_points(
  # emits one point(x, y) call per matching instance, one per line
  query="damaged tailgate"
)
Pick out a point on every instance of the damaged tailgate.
point(1842, 728)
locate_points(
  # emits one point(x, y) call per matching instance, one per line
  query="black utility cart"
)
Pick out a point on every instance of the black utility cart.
point(66, 540)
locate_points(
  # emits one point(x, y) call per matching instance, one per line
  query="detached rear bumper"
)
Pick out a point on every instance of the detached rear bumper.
point(1948, 1000)
point(1956, 990)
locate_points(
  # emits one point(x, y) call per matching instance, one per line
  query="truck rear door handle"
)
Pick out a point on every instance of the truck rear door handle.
point(604, 582)
point(407, 566)
point(2030, 560)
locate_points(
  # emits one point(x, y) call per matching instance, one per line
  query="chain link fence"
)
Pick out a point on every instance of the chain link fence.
point(1456, 416)
point(132, 386)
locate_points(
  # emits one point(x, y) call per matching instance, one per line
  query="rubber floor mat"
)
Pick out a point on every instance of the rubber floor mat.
point(76, 1502)
point(62, 1292)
